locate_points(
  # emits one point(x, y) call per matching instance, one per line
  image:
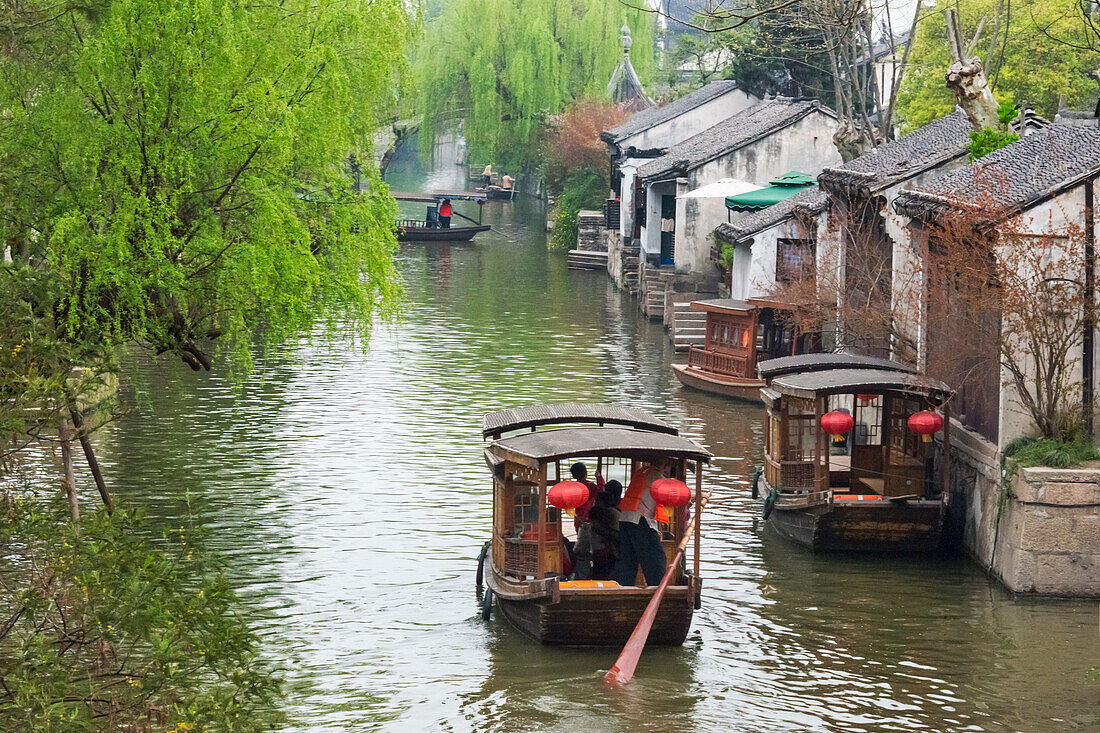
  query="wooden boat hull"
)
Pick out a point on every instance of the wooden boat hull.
point(601, 617)
point(863, 526)
point(742, 389)
point(498, 194)
point(426, 234)
point(591, 616)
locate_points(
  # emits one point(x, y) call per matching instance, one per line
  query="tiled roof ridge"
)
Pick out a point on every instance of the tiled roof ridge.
point(926, 147)
point(810, 202)
point(713, 141)
point(654, 116)
point(1029, 171)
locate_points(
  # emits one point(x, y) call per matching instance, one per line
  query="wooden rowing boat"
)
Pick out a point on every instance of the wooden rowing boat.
point(523, 564)
point(877, 487)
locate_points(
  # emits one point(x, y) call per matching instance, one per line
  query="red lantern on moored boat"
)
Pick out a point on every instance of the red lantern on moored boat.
point(567, 494)
point(670, 492)
point(925, 423)
point(837, 423)
point(866, 398)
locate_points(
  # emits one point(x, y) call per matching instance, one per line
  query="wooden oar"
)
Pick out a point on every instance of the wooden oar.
point(624, 668)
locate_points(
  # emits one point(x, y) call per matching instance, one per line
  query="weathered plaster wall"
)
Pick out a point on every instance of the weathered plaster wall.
point(806, 146)
point(691, 122)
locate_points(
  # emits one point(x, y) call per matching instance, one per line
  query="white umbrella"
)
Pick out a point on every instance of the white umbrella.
point(720, 189)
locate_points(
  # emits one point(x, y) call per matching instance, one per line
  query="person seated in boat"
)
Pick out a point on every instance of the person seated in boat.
point(610, 497)
point(579, 472)
point(597, 548)
point(639, 538)
point(445, 211)
point(506, 182)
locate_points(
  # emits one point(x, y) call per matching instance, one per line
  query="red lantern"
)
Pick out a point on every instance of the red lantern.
point(837, 423)
point(670, 492)
point(925, 423)
point(866, 398)
point(567, 494)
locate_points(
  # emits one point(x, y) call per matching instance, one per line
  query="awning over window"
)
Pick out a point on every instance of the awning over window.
point(725, 187)
point(781, 188)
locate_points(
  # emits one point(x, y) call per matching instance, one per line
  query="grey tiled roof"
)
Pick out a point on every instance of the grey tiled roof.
point(656, 115)
point(743, 128)
point(927, 147)
point(1026, 172)
point(811, 201)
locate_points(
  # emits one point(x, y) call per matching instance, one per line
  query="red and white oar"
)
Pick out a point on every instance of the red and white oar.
point(624, 668)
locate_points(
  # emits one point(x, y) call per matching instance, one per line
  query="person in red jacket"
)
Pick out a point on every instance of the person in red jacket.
point(445, 214)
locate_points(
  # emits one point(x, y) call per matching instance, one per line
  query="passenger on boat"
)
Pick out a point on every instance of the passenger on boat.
point(506, 182)
point(639, 540)
point(610, 498)
point(579, 472)
point(487, 174)
point(445, 211)
point(597, 547)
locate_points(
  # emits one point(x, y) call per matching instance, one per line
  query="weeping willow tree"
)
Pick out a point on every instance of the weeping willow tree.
point(176, 170)
point(504, 66)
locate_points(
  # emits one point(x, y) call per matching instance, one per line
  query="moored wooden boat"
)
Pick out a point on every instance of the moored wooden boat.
point(875, 486)
point(419, 231)
point(523, 566)
point(738, 334)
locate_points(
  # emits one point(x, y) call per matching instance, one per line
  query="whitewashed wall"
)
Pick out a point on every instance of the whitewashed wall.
point(806, 146)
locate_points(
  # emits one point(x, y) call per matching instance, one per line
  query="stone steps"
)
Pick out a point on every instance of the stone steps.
point(687, 327)
point(579, 259)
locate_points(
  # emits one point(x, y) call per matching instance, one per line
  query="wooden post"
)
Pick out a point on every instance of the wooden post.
point(540, 564)
point(698, 519)
point(89, 454)
point(946, 452)
point(820, 438)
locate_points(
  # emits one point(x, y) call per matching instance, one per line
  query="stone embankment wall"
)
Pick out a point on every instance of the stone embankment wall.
point(590, 232)
point(1037, 532)
point(1049, 538)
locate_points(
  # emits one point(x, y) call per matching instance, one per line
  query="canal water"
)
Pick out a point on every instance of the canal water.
point(346, 490)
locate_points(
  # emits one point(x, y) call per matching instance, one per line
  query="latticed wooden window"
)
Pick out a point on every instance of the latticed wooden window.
point(794, 259)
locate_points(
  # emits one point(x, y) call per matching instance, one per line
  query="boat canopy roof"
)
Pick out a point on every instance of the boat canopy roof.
point(722, 305)
point(520, 418)
point(817, 362)
point(838, 381)
point(532, 449)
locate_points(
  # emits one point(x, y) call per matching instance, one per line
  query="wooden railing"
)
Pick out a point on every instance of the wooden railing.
point(734, 366)
point(412, 224)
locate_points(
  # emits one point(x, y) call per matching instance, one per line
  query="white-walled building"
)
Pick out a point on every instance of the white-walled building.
point(756, 145)
point(651, 132)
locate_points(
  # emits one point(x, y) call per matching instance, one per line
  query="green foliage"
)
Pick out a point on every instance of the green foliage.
point(584, 189)
point(105, 631)
point(726, 256)
point(985, 142)
point(177, 168)
point(1025, 452)
point(1035, 67)
point(780, 54)
point(505, 66)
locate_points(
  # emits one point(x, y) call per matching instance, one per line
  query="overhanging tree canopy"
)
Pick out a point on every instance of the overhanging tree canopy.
point(505, 66)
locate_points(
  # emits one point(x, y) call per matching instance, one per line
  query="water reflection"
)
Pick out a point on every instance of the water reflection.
point(349, 493)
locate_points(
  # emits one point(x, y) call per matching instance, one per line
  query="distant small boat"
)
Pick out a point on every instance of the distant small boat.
point(429, 229)
point(496, 193)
